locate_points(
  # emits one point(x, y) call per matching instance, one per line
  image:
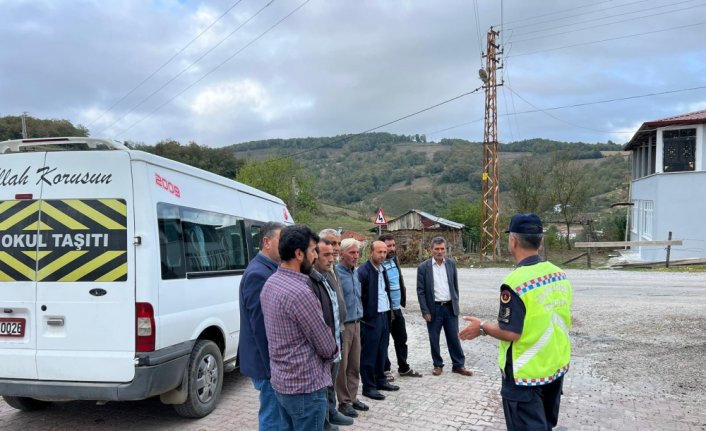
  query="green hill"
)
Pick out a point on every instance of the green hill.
point(398, 172)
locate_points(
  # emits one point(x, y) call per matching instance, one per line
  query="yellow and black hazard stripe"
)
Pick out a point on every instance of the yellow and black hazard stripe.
point(63, 240)
point(17, 261)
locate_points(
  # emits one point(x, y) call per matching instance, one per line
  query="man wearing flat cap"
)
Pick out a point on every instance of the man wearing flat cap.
point(533, 328)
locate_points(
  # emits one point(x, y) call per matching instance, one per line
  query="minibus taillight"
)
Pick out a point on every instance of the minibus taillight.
point(144, 327)
point(21, 196)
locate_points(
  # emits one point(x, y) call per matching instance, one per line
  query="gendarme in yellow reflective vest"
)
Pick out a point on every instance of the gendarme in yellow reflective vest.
point(542, 353)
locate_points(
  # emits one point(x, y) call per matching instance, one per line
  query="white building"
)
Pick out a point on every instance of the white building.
point(669, 185)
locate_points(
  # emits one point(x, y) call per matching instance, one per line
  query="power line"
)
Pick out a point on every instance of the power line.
point(318, 147)
point(506, 73)
point(218, 66)
point(558, 12)
point(478, 36)
point(577, 15)
point(557, 118)
point(454, 127)
point(617, 99)
point(605, 24)
point(597, 102)
point(608, 39)
point(201, 57)
point(110, 108)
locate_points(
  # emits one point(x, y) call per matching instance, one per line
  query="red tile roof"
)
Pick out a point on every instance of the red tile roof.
point(693, 117)
point(698, 117)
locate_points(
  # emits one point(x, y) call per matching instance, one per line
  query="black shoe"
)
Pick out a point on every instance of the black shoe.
point(359, 405)
point(410, 373)
point(347, 410)
point(388, 387)
point(339, 419)
point(374, 394)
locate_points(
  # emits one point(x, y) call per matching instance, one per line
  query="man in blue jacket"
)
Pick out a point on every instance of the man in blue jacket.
point(375, 326)
point(253, 349)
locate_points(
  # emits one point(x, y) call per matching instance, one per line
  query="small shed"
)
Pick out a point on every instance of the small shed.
point(414, 230)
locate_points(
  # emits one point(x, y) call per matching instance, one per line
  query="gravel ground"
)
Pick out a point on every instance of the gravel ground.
point(643, 330)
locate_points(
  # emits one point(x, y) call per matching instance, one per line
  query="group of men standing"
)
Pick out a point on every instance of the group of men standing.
point(313, 329)
point(314, 325)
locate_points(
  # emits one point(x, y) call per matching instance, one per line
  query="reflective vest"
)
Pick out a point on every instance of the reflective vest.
point(541, 354)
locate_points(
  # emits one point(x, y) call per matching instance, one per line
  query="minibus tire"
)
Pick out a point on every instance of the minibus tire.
point(204, 381)
point(26, 404)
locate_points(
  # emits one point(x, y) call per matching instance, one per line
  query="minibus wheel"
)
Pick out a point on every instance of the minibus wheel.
point(204, 380)
point(25, 403)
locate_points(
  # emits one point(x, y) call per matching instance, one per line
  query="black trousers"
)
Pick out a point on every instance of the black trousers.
point(398, 330)
point(532, 408)
point(374, 340)
point(443, 317)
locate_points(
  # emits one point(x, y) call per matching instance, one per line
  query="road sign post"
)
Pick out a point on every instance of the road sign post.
point(380, 220)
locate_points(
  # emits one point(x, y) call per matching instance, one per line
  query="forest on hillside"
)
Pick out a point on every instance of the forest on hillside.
point(11, 128)
point(399, 172)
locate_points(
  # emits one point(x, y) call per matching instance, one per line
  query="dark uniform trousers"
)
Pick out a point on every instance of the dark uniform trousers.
point(531, 408)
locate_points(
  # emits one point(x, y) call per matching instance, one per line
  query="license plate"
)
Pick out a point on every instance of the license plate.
point(12, 327)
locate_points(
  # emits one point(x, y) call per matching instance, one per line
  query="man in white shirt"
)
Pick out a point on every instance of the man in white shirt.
point(437, 291)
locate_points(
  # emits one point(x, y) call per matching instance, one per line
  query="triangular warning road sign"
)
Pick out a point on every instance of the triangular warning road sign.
point(380, 219)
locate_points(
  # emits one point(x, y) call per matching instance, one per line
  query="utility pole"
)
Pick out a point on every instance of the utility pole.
point(24, 125)
point(491, 194)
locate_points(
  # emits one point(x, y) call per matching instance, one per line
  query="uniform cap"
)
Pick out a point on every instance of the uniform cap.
point(525, 224)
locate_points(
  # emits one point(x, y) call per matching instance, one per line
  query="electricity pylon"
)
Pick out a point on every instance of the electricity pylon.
point(491, 194)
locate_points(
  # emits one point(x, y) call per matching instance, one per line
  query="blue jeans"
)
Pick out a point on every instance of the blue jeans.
point(303, 412)
point(268, 417)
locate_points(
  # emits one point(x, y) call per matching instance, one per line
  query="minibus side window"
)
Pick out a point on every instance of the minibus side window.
point(256, 238)
point(212, 244)
point(171, 248)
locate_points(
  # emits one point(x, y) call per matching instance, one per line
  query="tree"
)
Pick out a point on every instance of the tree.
point(284, 178)
point(11, 128)
point(568, 190)
point(527, 183)
point(220, 161)
point(613, 227)
point(468, 213)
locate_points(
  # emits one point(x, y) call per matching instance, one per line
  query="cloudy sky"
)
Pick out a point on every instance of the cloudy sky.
point(220, 72)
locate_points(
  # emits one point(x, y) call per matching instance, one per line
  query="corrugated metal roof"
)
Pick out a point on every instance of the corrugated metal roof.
point(433, 218)
point(697, 117)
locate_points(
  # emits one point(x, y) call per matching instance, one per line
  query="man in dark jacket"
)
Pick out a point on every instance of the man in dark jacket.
point(375, 327)
point(398, 295)
point(437, 291)
point(322, 284)
point(253, 349)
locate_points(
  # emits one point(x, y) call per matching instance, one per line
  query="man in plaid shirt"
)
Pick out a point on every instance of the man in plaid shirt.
point(301, 345)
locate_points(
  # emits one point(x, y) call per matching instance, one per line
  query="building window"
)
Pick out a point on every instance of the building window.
point(679, 150)
point(647, 211)
point(193, 241)
point(634, 225)
point(643, 155)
